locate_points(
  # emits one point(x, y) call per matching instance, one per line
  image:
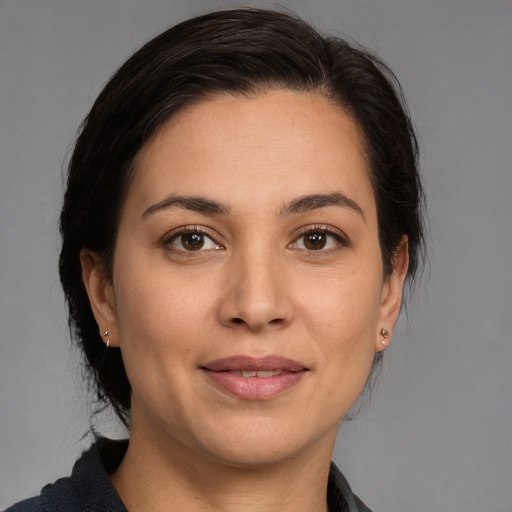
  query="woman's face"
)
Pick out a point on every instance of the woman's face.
point(248, 289)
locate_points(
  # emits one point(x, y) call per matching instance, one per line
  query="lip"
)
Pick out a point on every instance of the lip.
point(255, 388)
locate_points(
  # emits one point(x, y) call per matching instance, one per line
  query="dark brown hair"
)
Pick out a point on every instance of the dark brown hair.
point(241, 52)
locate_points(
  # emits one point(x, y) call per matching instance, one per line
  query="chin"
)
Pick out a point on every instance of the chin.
point(264, 445)
point(255, 456)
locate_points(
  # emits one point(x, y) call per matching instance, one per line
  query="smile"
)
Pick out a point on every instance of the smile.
point(254, 378)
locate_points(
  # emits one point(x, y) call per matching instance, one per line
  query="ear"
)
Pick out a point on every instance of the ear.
point(101, 295)
point(392, 293)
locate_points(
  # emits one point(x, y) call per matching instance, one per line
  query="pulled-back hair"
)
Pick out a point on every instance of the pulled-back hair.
point(241, 52)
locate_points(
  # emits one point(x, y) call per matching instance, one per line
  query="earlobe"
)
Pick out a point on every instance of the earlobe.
point(392, 293)
point(101, 295)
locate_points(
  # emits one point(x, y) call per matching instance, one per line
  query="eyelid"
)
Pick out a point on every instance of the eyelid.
point(337, 233)
point(190, 228)
point(341, 237)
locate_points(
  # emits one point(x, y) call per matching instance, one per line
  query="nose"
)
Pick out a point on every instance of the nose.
point(257, 295)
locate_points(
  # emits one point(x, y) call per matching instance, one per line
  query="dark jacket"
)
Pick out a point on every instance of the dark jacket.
point(89, 489)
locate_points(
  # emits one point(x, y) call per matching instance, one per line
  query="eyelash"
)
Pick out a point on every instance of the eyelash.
point(341, 240)
point(189, 230)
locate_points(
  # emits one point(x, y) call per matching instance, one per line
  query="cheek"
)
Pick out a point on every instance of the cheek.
point(342, 315)
point(157, 311)
point(158, 319)
point(149, 288)
point(343, 304)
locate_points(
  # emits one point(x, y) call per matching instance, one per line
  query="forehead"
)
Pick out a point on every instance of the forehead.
point(265, 147)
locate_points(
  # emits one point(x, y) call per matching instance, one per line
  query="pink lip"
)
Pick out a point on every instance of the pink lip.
point(255, 388)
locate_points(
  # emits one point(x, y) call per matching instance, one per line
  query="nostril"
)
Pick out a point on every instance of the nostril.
point(275, 321)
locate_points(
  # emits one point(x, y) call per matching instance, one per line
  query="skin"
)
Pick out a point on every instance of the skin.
point(254, 289)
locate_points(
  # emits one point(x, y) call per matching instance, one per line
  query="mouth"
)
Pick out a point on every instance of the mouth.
point(250, 378)
point(256, 373)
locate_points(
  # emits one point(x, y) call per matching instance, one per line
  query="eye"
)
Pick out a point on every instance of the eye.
point(318, 239)
point(190, 240)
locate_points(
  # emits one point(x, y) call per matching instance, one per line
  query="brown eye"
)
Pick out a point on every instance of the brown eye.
point(315, 241)
point(192, 241)
point(319, 240)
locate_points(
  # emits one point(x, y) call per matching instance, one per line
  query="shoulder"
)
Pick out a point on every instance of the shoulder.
point(54, 497)
point(340, 497)
point(30, 505)
point(361, 507)
point(87, 489)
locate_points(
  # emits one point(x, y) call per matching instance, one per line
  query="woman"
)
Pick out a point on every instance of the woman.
point(242, 212)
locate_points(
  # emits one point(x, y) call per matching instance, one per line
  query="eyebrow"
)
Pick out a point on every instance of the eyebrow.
point(194, 203)
point(301, 204)
point(317, 201)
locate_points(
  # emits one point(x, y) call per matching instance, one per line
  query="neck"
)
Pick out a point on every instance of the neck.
point(163, 475)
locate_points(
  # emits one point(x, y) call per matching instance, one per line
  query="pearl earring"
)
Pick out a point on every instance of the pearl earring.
point(384, 333)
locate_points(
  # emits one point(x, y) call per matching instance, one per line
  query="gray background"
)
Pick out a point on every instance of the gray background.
point(438, 436)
